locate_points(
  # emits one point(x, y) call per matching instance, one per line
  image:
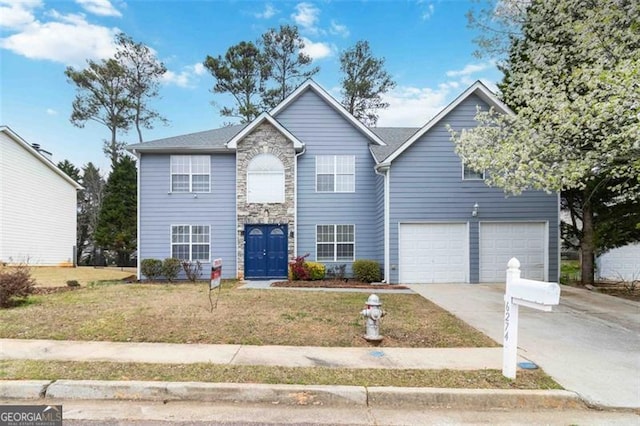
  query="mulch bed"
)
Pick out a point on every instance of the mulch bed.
point(338, 284)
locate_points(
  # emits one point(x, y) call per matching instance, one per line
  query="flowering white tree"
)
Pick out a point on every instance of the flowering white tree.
point(573, 79)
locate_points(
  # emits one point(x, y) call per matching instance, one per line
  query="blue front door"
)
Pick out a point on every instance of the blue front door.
point(265, 251)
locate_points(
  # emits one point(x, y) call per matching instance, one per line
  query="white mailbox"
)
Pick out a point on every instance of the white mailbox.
point(538, 295)
point(534, 294)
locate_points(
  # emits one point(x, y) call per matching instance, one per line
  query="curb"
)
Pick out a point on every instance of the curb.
point(291, 395)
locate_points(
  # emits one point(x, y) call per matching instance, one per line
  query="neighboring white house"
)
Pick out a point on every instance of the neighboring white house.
point(37, 205)
point(622, 263)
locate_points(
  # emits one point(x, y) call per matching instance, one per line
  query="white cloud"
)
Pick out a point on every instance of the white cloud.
point(99, 7)
point(427, 11)
point(412, 106)
point(470, 69)
point(69, 39)
point(306, 16)
point(268, 12)
point(17, 14)
point(317, 50)
point(340, 30)
point(51, 111)
point(199, 69)
point(185, 78)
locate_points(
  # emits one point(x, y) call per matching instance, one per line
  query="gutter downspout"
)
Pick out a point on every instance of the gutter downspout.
point(384, 171)
point(295, 201)
point(139, 172)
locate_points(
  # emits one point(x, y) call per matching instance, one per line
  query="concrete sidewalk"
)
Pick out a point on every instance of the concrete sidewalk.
point(284, 356)
point(590, 343)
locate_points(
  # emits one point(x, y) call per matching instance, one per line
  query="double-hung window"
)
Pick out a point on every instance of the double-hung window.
point(190, 173)
point(335, 243)
point(190, 242)
point(335, 173)
point(470, 174)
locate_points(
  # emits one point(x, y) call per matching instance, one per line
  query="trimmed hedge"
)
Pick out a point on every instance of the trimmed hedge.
point(316, 270)
point(151, 268)
point(366, 270)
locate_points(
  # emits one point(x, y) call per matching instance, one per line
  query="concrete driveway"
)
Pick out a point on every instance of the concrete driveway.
point(590, 343)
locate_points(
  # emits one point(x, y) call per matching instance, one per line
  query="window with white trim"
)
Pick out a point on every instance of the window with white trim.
point(190, 173)
point(470, 174)
point(265, 179)
point(335, 173)
point(335, 243)
point(190, 242)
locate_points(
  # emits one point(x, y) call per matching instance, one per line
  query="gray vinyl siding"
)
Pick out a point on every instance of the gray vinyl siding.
point(427, 186)
point(326, 132)
point(159, 209)
point(380, 217)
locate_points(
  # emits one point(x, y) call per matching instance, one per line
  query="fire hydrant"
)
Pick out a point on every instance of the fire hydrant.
point(373, 313)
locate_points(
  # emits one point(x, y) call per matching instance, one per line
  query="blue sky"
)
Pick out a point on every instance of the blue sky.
point(427, 46)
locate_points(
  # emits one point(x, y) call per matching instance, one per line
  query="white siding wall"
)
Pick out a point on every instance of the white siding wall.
point(37, 209)
point(622, 263)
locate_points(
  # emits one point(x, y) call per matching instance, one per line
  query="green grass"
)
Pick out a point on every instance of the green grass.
point(570, 271)
point(214, 373)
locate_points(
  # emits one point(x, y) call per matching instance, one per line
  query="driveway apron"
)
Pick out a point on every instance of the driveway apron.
point(590, 343)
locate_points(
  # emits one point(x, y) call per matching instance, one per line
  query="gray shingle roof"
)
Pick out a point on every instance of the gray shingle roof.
point(207, 140)
point(215, 140)
point(394, 137)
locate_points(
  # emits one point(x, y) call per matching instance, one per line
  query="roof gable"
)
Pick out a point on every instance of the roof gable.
point(477, 88)
point(264, 117)
point(30, 149)
point(326, 97)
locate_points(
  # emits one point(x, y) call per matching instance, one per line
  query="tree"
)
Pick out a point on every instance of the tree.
point(104, 96)
point(283, 54)
point(572, 79)
point(241, 73)
point(144, 71)
point(117, 223)
point(500, 22)
point(364, 82)
point(115, 92)
point(70, 170)
point(89, 206)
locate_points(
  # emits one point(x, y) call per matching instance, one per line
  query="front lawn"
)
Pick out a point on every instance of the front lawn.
point(180, 313)
point(53, 276)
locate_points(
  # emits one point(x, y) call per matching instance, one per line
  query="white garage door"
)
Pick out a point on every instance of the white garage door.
point(433, 253)
point(499, 242)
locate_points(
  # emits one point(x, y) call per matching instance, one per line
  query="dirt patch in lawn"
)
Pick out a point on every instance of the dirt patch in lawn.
point(338, 284)
point(629, 291)
point(52, 276)
point(181, 313)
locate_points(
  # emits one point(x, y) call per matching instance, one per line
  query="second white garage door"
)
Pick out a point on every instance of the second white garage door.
point(499, 242)
point(433, 253)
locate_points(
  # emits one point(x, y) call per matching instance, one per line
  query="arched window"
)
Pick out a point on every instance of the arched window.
point(265, 179)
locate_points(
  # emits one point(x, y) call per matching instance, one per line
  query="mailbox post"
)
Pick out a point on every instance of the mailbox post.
point(538, 295)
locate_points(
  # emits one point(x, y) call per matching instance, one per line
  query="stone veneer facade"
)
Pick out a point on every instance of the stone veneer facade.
point(265, 139)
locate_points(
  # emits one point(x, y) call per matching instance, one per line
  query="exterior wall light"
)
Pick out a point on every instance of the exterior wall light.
point(474, 212)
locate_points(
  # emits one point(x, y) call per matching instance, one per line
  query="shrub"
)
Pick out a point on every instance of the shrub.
point(151, 268)
point(171, 268)
point(367, 271)
point(16, 284)
point(316, 270)
point(337, 272)
point(193, 270)
point(297, 268)
point(73, 283)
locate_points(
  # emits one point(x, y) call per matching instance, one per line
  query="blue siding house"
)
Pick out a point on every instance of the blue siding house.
point(307, 177)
